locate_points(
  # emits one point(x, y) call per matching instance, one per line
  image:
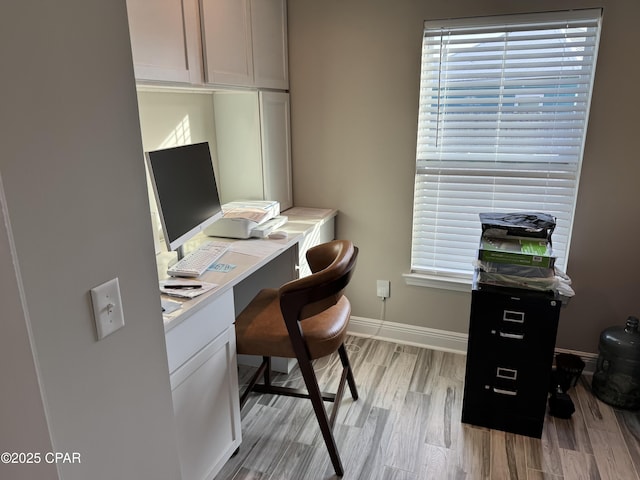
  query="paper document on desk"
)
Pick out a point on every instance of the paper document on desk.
point(185, 288)
point(170, 306)
point(254, 214)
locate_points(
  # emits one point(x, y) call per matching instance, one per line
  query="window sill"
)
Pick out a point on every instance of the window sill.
point(457, 284)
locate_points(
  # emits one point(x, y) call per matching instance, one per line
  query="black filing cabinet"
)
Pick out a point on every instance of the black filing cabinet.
point(512, 335)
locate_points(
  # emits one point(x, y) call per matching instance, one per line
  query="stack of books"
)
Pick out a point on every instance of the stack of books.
point(516, 251)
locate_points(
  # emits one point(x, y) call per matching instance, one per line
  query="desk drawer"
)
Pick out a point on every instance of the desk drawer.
point(189, 337)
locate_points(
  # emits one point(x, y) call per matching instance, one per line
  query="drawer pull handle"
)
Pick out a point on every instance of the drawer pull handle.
point(504, 392)
point(506, 373)
point(515, 336)
point(513, 316)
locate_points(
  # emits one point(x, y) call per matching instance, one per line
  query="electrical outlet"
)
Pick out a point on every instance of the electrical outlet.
point(383, 289)
point(107, 308)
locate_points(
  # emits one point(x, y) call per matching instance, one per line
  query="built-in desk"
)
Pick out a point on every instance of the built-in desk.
point(200, 338)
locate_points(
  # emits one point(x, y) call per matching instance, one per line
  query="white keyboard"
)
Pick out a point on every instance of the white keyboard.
point(196, 262)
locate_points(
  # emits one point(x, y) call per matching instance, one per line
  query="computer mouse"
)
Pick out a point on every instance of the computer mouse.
point(278, 234)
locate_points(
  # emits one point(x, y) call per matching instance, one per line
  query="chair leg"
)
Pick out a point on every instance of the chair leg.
point(311, 382)
point(347, 366)
point(263, 369)
point(267, 370)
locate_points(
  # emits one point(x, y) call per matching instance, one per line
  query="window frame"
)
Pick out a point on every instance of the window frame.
point(429, 276)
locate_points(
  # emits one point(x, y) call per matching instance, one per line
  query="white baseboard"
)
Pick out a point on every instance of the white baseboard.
point(409, 334)
point(433, 338)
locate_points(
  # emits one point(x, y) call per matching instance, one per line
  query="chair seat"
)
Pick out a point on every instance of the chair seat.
point(261, 329)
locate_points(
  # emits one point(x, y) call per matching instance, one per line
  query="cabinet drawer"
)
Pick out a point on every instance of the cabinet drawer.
point(509, 386)
point(517, 320)
point(492, 345)
point(187, 338)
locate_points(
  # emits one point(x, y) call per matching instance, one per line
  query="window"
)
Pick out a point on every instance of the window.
point(504, 103)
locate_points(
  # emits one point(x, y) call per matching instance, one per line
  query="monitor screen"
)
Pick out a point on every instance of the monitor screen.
point(185, 189)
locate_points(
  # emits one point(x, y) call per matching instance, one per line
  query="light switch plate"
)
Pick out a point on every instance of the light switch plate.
point(107, 308)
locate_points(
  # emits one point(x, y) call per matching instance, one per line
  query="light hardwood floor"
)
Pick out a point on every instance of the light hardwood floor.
point(406, 426)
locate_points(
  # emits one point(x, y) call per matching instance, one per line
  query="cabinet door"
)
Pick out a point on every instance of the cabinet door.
point(164, 40)
point(276, 147)
point(207, 408)
point(226, 37)
point(269, 40)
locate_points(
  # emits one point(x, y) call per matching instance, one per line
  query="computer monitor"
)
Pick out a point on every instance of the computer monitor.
point(186, 192)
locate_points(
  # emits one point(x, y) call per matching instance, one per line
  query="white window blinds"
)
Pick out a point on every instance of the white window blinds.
point(503, 112)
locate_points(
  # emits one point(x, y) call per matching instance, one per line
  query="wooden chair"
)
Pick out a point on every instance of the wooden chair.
point(304, 319)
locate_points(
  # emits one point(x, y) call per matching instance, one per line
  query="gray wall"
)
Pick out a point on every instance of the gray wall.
point(23, 421)
point(73, 175)
point(354, 70)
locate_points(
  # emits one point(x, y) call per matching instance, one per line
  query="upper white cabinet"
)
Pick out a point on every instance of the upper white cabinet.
point(253, 146)
point(226, 40)
point(245, 42)
point(269, 40)
point(165, 40)
point(218, 42)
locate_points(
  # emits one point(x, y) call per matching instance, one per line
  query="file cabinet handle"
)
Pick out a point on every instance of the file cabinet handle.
point(515, 336)
point(506, 373)
point(512, 316)
point(501, 391)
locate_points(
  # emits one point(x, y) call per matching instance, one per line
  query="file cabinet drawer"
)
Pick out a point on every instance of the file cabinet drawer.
point(533, 320)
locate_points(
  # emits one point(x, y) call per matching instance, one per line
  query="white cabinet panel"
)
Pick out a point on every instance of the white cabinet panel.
point(233, 42)
point(206, 408)
point(226, 37)
point(269, 40)
point(164, 40)
point(245, 42)
point(199, 329)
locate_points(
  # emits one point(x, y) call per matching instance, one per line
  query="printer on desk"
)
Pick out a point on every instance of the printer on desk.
point(246, 219)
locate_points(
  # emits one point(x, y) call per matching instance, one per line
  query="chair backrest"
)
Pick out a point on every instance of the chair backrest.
point(333, 264)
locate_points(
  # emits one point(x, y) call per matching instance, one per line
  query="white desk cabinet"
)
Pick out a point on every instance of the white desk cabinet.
point(201, 350)
point(254, 146)
point(245, 43)
point(165, 40)
point(204, 384)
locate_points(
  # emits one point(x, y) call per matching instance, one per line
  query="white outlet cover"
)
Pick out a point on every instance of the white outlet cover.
point(382, 288)
point(107, 308)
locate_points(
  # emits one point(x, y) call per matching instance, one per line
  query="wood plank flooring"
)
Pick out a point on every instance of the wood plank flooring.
point(406, 426)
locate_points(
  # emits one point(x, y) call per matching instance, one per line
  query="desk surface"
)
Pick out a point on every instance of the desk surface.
point(247, 256)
